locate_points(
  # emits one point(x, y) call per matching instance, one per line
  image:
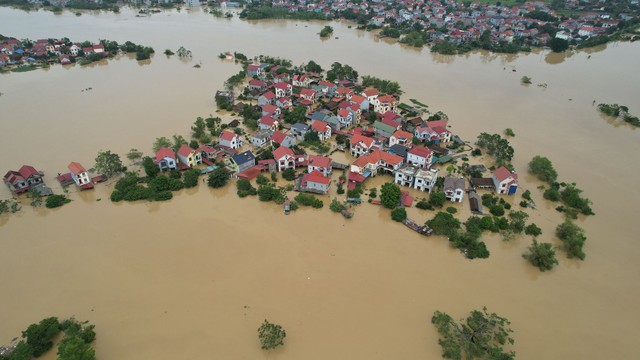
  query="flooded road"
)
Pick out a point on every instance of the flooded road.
point(194, 277)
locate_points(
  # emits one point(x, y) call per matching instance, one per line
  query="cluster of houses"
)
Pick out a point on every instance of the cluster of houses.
point(461, 22)
point(392, 144)
point(406, 148)
point(17, 52)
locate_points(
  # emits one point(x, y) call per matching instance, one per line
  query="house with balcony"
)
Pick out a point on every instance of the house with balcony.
point(165, 159)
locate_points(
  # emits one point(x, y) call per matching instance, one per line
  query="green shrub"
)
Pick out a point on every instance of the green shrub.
point(496, 210)
point(399, 214)
point(452, 210)
point(163, 195)
point(191, 178)
point(54, 201)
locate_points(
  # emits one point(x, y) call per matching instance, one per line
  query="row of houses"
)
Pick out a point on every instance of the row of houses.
point(15, 52)
point(462, 22)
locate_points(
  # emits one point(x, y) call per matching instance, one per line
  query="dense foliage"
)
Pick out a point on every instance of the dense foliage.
point(108, 163)
point(218, 178)
point(54, 201)
point(541, 255)
point(309, 200)
point(541, 167)
point(481, 335)
point(399, 214)
point(497, 147)
point(390, 195)
point(573, 239)
point(271, 335)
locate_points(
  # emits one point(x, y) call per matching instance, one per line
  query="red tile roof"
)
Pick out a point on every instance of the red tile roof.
point(27, 170)
point(372, 92)
point(319, 126)
point(163, 153)
point(316, 177)
point(269, 95)
point(376, 156)
point(185, 150)
point(267, 120)
point(307, 92)
point(357, 139)
point(319, 161)
point(227, 135)
point(282, 85)
point(281, 152)
point(278, 137)
point(421, 151)
point(269, 108)
point(76, 168)
point(344, 113)
point(400, 134)
point(358, 99)
point(501, 174)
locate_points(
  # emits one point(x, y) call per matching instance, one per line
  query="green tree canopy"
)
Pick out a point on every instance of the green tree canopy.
point(497, 147)
point(271, 335)
point(481, 335)
point(541, 167)
point(541, 255)
point(160, 143)
point(108, 163)
point(399, 214)
point(444, 224)
point(150, 168)
point(218, 178)
point(390, 195)
point(573, 239)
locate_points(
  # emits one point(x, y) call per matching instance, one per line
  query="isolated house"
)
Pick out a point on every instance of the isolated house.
point(80, 175)
point(23, 179)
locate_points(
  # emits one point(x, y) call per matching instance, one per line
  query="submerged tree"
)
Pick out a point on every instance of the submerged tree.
point(108, 163)
point(481, 335)
point(541, 255)
point(271, 335)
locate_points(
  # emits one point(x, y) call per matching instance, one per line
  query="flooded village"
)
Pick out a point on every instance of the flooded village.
point(210, 266)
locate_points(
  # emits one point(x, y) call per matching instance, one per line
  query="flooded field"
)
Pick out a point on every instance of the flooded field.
point(194, 277)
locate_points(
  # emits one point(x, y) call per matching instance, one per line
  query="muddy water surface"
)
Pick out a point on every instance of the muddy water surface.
point(194, 277)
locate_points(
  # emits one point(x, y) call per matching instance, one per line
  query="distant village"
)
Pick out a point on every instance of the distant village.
point(384, 136)
point(473, 23)
point(27, 54)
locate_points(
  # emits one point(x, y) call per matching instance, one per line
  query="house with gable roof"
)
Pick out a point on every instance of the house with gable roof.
point(283, 89)
point(505, 181)
point(454, 188)
point(165, 159)
point(421, 157)
point(23, 179)
point(322, 128)
point(309, 95)
point(267, 123)
point(400, 137)
point(286, 159)
point(230, 139)
point(260, 138)
point(189, 157)
point(319, 163)
point(315, 182)
point(360, 145)
point(255, 70)
point(80, 175)
point(376, 161)
point(386, 104)
point(345, 117)
point(282, 139)
point(266, 98)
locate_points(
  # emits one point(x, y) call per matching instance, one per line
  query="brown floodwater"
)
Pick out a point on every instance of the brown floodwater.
point(194, 277)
